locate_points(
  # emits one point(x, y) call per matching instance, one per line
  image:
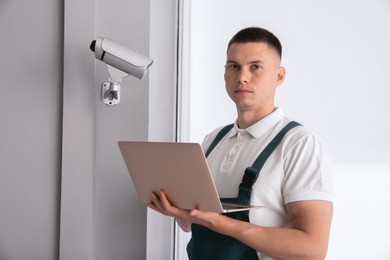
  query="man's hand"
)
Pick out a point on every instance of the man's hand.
point(160, 203)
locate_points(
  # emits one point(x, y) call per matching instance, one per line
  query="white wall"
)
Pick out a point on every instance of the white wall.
point(119, 217)
point(109, 221)
point(30, 128)
point(102, 217)
point(337, 59)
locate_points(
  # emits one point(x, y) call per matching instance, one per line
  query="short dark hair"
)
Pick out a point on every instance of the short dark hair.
point(257, 34)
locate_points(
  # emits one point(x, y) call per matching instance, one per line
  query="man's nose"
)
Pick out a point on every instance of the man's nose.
point(243, 76)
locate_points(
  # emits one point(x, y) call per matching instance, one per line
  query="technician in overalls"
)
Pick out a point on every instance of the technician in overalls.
point(262, 159)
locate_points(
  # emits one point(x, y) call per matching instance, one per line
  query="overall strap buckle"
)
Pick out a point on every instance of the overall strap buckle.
point(249, 178)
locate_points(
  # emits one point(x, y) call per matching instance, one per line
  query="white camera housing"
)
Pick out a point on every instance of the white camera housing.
point(121, 62)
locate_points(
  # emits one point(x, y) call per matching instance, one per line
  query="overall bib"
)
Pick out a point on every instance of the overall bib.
point(207, 244)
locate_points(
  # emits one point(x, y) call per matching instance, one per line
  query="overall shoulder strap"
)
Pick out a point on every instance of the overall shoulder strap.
point(251, 173)
point(218, 138)
point(258, 164)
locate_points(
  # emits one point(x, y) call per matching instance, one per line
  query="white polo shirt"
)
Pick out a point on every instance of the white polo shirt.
point(298, 169)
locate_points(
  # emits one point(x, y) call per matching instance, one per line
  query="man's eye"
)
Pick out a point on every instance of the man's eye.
point(255, 67)
point(232, 66)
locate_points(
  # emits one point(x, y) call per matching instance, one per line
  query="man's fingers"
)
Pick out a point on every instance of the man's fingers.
point(160, 203)
point(164, 200)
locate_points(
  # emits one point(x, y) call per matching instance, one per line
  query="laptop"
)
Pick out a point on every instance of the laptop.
point(180, 170)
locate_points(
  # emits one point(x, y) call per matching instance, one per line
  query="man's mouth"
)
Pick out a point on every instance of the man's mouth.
point(242, 91)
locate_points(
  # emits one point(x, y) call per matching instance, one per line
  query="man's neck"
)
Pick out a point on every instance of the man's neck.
point(247, 118)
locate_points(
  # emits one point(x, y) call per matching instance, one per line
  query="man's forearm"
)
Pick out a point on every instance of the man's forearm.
point(184, 224)
point(280, 243)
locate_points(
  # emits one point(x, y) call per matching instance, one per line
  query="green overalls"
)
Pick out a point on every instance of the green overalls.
point(207, 244)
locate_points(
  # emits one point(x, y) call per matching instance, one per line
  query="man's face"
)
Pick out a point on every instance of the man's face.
point(252, 73)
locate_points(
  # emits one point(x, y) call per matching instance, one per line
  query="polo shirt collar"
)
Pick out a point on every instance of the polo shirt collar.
point(260, 127)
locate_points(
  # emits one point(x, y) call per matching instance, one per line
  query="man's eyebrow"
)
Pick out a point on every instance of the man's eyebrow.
point(251, 62)
point(256, 61)
point(231, 61)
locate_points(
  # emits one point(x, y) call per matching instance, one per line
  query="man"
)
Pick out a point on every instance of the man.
point(293, 182)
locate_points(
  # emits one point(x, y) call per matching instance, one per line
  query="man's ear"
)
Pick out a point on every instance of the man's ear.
point(280, 76)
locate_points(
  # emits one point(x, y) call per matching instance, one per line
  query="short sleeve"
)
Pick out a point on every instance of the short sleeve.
point(308, 170)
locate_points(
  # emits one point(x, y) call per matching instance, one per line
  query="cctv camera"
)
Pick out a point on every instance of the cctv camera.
point(121, 62)
point(120, 57)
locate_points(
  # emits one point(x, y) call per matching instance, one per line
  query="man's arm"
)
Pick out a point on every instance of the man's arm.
point(307, 239)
